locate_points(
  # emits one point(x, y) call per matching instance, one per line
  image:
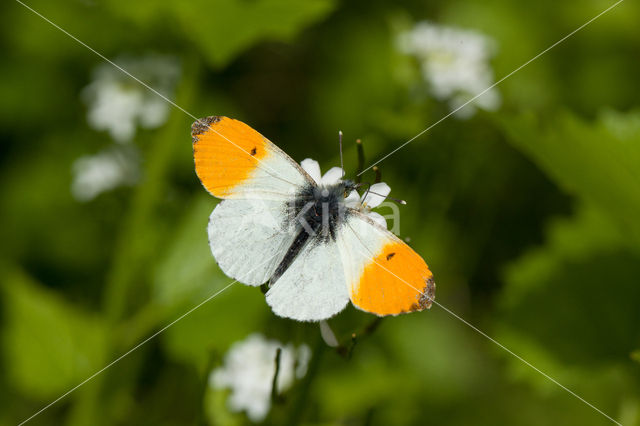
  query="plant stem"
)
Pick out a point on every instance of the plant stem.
point(305, 387)
point(274, 384)
point(135, 247)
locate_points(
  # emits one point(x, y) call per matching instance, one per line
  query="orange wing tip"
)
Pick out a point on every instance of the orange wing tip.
point(202, 125)
point(396, 281)
point(226, 152)
point(425, 300)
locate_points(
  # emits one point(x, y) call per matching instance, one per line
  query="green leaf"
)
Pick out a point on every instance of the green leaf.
point(224, 28)
point(187, 268)
point(577, 295)
point(49, 344)
point(577, 239)
point(216, 408)
point(230, 26)
point(598, 163)
point(233, 315)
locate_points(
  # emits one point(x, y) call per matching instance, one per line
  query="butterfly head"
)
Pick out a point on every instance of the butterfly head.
point(348, 186)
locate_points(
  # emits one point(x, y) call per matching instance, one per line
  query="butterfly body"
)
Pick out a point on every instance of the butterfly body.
point(315, 247)
point(317, 212)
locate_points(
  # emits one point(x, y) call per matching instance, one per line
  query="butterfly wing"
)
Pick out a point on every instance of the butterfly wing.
point(384, 275)
point(313, 288)
point(247, 233)
point(234, 161)
point(248, 238)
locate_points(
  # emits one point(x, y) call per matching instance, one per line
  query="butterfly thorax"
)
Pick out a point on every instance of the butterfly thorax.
point(316, 213)
point(319, 210)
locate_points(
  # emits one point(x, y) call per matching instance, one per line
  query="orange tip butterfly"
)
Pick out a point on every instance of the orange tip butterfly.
point(277, 225)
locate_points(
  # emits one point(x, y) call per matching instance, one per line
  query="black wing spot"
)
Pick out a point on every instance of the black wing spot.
point(253, 151)
point(390, 255)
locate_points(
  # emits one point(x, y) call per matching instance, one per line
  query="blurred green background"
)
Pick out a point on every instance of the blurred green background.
point(529, 215)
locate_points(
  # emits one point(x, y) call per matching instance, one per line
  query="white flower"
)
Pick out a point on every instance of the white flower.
point(119, 104)
point(104, 171)
point(333, 176)
point(455, 63)
point(249, 368)
point(373, 197)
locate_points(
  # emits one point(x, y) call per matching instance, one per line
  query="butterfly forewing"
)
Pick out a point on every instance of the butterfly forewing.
point(234, 161)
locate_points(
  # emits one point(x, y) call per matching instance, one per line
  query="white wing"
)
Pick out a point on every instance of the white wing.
point(248, 238)
point(313, 288)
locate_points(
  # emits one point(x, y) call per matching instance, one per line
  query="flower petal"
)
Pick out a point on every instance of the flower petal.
point(376, 194)
point(352, 200)
point(312, 168)
point(378, 218)
point(332, 176)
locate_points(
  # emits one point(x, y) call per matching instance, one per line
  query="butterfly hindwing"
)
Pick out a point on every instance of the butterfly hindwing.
point(313, 287)
point(234, 161)
point(384, 275)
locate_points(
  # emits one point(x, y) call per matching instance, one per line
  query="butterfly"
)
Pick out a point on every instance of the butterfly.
point(277, 226)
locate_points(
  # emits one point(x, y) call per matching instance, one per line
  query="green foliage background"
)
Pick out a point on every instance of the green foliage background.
point(529, 216)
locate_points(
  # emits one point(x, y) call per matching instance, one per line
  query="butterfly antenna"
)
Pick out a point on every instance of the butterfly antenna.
point(364, 197)
point(341, 160)
point(397, 200)
point(378, 180)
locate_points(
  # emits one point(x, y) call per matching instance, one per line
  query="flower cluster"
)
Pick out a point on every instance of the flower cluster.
point(117, 104)
point(372, 197)
point(249, 369)
point(94, 174)
point(455, 64)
